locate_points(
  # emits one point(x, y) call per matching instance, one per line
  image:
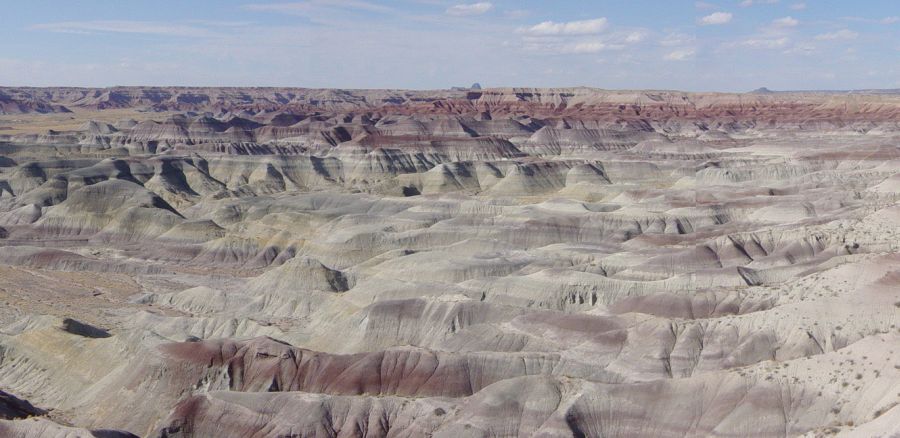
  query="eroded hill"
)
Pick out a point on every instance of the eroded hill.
point(193, 262)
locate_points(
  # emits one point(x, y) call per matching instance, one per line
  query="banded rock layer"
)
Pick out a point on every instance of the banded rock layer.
point(491, 263)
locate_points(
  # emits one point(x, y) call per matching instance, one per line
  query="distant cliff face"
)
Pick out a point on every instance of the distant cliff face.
point(586, 102)
point(286, 121)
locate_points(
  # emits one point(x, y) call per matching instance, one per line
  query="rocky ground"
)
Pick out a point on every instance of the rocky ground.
point(195, 262)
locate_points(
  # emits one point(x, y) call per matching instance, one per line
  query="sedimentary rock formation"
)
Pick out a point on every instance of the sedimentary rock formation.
point(195, 262)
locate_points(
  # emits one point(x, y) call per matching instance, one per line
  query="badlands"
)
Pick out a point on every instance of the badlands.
point(262, 262)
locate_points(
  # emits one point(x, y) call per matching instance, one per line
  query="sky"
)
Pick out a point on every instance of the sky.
point(711, 45)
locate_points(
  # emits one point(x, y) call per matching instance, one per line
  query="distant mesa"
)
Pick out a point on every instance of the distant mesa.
point(762, 90)
point(475, 86)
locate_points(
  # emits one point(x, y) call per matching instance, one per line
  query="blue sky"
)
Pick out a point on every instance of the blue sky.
point(713, 45)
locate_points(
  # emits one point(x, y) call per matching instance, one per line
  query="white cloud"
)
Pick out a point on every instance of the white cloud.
point(582, 27)
point(588, 47)
point(679, 55)
point(677, 39)
point(470, 9)
point(124, 26)
point(800, 49)
point(785, 22)
point(766, 43)
point(579, 37)
point(704, 5)
point(574, 46)
point(798, 6)
point(635, 37)
point(843, 34)
point(890, 20)
point(716, 18)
